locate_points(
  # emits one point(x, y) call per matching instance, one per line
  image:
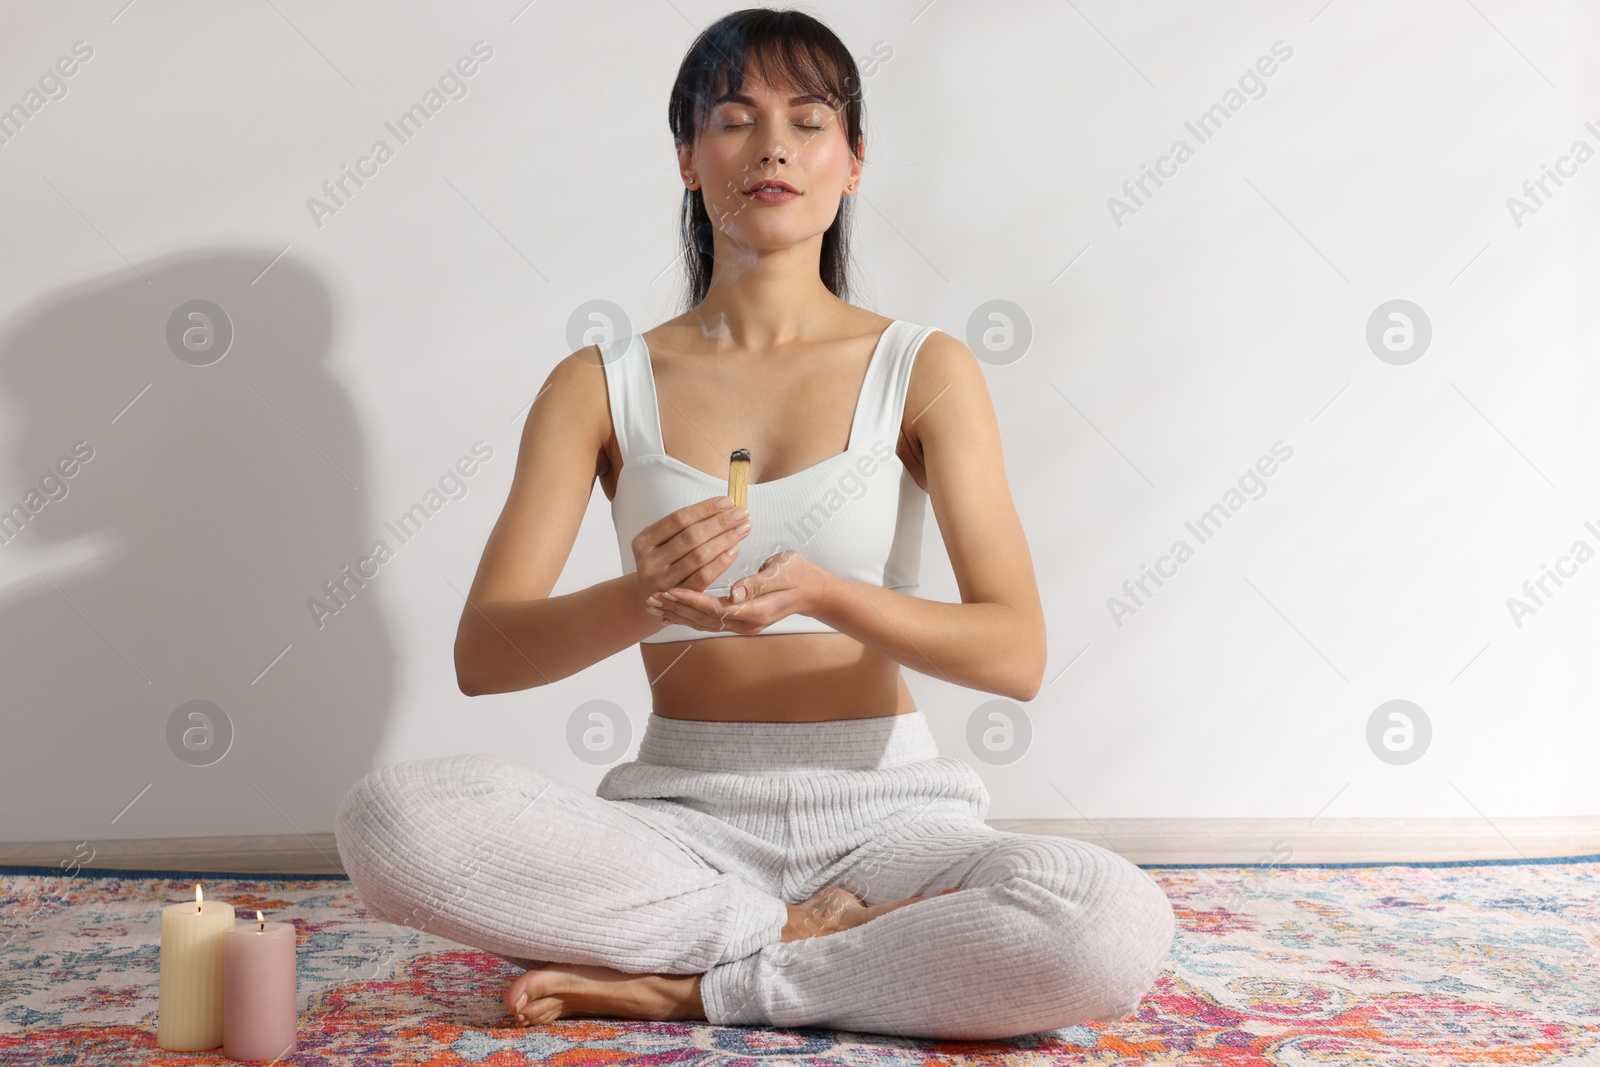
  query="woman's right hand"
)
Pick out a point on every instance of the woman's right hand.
point(689, 547)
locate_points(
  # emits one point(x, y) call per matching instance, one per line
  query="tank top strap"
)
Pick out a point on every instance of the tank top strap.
point(631, 394)
point(883, 394)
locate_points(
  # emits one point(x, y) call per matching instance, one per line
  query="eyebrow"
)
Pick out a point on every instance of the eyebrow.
point(741, 98)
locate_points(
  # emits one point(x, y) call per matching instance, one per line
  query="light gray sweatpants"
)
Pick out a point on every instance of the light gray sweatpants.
point(684, 860)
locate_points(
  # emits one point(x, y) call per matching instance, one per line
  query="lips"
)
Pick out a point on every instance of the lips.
point(772, 185)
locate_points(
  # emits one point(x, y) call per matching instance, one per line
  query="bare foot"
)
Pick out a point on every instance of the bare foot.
point(560, 990)
point(834, 909)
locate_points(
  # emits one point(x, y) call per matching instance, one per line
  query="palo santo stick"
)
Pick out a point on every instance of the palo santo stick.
point(738, 475)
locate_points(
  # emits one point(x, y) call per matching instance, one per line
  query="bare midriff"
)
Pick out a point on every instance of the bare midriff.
point(774, 678)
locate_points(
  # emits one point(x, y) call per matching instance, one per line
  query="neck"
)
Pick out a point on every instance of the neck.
point(771, 300)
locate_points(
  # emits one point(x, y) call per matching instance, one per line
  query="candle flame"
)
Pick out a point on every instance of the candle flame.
point(258, 915)
point(197, 897)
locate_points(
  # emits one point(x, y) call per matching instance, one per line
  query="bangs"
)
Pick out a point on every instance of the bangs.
point(784, 51)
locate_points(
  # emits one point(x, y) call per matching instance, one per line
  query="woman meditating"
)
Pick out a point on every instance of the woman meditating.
point(789, 848)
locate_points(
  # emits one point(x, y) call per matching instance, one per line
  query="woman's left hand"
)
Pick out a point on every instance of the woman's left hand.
point(787, 584)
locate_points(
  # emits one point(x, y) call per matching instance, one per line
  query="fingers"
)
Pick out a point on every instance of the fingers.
point(652, 542)
point(705, 548)
point(718, 564)
point(700, 610)
point(776, 572)
point(697, 608)
point(673, 523)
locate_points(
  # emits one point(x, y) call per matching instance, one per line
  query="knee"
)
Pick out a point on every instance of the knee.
point(396, 821)
point(1108, 931)
point(386, 800)
point(1139, 917)
point(397, 790)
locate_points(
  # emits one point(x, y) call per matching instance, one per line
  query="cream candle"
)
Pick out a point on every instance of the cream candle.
point(189, 1008)
point(260, 1011)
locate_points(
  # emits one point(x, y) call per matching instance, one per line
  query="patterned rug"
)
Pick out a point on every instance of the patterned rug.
point(1427, 965)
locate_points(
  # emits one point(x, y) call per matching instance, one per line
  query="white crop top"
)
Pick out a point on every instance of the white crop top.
point(857, 513)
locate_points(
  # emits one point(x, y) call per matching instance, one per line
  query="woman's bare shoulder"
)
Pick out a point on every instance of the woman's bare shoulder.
point(575, 397)
point(942, 361)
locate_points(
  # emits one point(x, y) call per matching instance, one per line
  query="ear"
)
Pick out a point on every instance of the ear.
point(685, 160)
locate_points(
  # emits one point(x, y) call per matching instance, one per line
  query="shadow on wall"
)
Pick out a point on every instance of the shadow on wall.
point(208, 500)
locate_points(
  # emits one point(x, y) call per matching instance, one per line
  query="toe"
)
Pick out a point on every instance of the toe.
point(520, 991)
point(541, 1011)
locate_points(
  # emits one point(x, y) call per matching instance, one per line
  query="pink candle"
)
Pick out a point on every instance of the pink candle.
point(259, 1007)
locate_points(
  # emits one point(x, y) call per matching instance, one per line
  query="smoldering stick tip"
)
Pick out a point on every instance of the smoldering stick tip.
point(739, 476)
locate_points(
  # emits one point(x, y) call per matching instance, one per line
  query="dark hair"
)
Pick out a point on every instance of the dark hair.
point(789, 47)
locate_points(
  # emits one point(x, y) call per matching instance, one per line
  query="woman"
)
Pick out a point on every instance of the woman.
point(789, 848)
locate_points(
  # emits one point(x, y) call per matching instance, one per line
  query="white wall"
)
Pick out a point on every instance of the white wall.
point(1168, 353)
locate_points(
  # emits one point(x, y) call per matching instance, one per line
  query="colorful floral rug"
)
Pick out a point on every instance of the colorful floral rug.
point(1428, 965)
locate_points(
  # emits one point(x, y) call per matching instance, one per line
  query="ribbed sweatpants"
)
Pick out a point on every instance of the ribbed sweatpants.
point(684, 859)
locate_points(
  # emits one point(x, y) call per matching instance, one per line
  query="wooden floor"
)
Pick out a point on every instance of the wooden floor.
point(1146, 841)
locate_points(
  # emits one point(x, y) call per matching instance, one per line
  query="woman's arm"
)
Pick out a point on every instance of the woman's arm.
point(522, 644)
point(513, 635)
point(994, 640)
point(991, 647)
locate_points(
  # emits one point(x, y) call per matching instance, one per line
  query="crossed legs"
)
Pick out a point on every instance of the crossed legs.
point(1014, 933)
point(552, 991)
point(1044, 932)
point(487, 852)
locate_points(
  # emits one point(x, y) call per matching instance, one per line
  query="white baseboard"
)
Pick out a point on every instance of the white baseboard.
point(246, 854)
point(1146, 841)
point(1288, 841)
